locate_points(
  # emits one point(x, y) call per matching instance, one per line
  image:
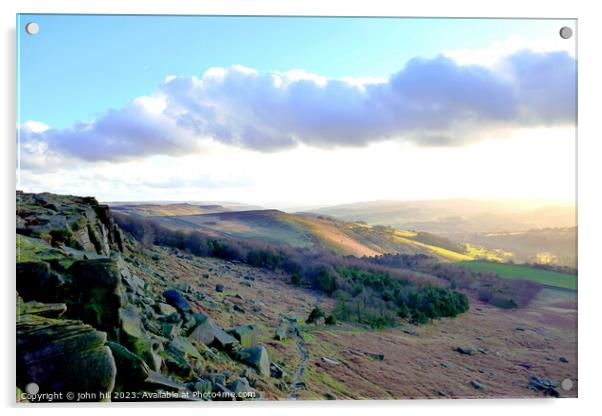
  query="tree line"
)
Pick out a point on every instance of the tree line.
point(366, 292)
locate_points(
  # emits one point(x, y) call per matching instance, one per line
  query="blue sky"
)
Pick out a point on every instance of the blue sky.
point(282, 111)
point(80, 65)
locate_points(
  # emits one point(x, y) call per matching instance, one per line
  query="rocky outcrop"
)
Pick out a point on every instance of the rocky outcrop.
point(95, 294)
point(35, 281)
point(93, 317)
point(63, 220)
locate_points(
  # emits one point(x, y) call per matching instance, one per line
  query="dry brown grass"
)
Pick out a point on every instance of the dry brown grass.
point(415, 366)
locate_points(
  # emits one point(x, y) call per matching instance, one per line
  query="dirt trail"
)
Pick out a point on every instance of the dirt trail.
point(298, 383)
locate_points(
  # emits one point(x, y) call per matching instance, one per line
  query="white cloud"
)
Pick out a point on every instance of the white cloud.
point(36, 126)
point(429, 102)
point(493, 54)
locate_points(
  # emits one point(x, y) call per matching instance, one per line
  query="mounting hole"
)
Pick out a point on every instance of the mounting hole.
point(567, 384)
point(566, 32)
point(32, 28)
point(32, 388)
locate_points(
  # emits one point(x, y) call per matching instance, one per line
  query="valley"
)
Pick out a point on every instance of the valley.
point(231, 322)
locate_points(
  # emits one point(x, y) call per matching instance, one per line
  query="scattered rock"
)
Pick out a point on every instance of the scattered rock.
point(465, 350)
point(133, 371)
point(563, 360)
point(276, 371)
point(241, 388)
point(247, 335)
point(256, 357)
point(165, 309)
point(477, 384)
point(525, 365)
point(546, 386)
point(184, 347)
point(410, 331)
point(281, 333)
point(134, 337)
point(176, 299)
point(202, 386)
point(209, 333)
point(170, 330)
point(330, 361)
point(176, 363)
point(239, 308)
point(375, 356)
point(219, 287)
point(440, 393)
point(330, 395)
point(215, 378)
point(157, 381)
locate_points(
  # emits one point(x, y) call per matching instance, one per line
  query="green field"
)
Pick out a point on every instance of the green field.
point(511, 271)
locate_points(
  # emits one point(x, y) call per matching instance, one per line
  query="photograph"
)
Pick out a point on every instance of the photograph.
point(295, 208)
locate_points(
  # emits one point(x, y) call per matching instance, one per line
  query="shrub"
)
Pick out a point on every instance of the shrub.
point(296, 279)
point(315, 314)
point(60, 236)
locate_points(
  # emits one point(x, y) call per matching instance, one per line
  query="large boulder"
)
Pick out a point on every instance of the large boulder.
point(165, 310)
point(281, 333)
point(133, 371)
point(209, 333)
point(135, 375)
point(135, 338)
point(256, 357)
point(96, 294)
point(247, 335)
point(63, 356)
point(184, 347)
point(242, 389)
point(177, 300)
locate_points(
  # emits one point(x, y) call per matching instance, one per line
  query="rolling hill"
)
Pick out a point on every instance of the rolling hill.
point(310, 231)
point(456, 216)
point(152, 210)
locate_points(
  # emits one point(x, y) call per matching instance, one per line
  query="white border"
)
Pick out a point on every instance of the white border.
point(590, 206)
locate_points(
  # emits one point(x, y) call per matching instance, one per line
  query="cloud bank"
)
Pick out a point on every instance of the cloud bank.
point(428, 102)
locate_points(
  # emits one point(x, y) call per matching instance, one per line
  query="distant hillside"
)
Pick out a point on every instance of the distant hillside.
point(453, 216)
point(309, 231)
point(544, 246)
point(151, 210)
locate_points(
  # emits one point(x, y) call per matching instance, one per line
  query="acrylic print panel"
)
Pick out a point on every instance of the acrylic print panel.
point(295, 208)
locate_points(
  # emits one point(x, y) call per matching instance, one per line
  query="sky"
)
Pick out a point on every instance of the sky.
point(288, 111)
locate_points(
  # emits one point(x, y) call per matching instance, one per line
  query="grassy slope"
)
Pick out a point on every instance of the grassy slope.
point(511, 271)
point(303, 231)
point(434, 250)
